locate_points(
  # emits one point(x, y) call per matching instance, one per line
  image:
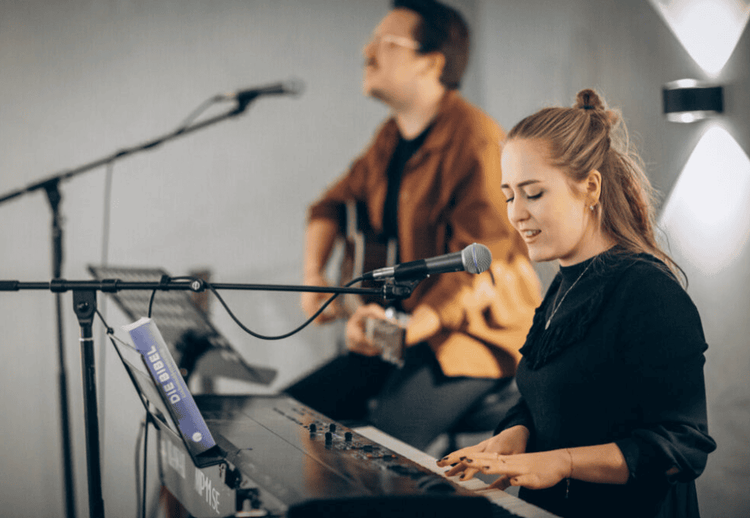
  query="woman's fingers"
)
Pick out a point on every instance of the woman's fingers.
point(455, 470)
point(501, 483)
point(468, 474)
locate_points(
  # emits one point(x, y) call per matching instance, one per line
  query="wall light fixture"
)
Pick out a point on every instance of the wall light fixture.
point(688, 100)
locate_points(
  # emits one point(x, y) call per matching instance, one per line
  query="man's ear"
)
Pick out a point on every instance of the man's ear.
point(435, 63)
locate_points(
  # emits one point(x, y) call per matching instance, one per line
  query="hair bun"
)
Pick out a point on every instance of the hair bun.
point(588, 99)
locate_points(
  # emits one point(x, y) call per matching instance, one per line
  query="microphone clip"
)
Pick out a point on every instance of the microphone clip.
point(398, 290)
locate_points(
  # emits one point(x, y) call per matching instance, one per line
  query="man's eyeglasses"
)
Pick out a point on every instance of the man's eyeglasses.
point(394, 41)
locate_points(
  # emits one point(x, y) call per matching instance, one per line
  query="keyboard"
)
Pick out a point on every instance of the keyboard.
point(283, 459)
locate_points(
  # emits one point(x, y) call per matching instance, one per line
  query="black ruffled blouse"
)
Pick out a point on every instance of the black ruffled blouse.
point(621, 361)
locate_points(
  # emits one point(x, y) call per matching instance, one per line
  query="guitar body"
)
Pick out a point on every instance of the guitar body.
point(364, 251)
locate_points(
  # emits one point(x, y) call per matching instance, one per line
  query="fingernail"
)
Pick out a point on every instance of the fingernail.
point(454, 464)
point(445, 458)
point(462, 458)
point(469, 460)
point(462, 476)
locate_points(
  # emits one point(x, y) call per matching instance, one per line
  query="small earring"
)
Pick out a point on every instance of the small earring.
point(591, 208)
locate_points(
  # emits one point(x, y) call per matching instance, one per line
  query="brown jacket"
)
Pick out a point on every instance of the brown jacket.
point(450, 197)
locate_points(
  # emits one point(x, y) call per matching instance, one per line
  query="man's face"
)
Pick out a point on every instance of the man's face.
point(392, 64)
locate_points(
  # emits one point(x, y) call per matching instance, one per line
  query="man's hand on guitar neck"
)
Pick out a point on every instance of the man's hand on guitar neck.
point(311, 301)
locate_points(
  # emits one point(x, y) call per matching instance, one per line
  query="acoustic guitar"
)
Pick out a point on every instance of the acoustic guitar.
point(365, 251)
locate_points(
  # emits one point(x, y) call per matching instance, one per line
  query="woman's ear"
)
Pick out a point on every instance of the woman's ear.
point(593, 188)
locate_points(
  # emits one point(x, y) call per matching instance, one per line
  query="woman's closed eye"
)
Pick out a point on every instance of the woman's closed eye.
point(527, 196)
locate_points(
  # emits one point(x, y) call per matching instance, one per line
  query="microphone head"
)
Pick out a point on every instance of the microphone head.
point(293, 86)
point(476, 258)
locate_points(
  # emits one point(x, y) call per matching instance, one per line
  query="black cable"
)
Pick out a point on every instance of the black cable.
point(200, 109)
point(142, 433)
point(107, 209)
point(151, 303)
point(102, 368)
point(165, 279)
point(139, 498)
point(143, 430)
point(290, 333)
point(145, 466)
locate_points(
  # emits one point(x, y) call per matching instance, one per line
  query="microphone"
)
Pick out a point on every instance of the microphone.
point(475, 258)
point(291, 87)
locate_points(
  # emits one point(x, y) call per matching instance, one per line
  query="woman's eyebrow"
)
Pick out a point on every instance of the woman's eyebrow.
point(522, 184)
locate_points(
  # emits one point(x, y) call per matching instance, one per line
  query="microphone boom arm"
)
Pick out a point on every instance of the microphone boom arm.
point(43, 184)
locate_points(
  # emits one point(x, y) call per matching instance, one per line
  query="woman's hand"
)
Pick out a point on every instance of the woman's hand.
point(532, 470)
point(356, 340)
point(508, 442)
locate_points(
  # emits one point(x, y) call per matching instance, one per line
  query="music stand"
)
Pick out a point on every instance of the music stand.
point(157, 407)
point(195, 344)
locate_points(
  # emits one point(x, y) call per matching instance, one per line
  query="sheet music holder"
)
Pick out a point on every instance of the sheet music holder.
point(195, 344)
point(158, 406)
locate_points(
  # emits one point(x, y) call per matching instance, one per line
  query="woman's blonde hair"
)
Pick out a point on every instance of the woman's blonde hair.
point(588, 137)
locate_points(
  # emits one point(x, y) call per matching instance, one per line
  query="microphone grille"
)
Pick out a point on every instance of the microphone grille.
point(476, 258)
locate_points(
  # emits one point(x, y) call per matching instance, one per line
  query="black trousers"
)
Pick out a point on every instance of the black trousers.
point(415, 403)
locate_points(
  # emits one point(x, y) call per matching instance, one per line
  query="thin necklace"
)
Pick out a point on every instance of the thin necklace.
point(558, 304)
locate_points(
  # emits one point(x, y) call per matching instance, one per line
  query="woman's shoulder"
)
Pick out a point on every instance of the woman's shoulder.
point(643, 286)
point(649, 298)
point(646, 275)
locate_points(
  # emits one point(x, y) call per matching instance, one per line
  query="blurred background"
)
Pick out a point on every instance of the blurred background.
point(82, 79)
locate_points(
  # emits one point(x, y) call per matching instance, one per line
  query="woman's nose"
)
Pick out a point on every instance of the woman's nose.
point(517, 211)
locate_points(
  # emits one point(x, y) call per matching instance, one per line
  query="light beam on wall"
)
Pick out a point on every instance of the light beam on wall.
point(707, 215)
point(708, 29)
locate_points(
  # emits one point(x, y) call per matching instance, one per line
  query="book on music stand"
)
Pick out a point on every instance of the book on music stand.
point(165, 394)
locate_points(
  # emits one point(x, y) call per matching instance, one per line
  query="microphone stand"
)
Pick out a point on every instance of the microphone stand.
point(84, 305)
point(51, 186)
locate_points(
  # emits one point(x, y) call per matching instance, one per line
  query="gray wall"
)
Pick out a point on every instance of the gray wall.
point(81, 80)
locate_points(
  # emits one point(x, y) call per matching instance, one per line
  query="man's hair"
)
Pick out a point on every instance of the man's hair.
point(441, 29)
